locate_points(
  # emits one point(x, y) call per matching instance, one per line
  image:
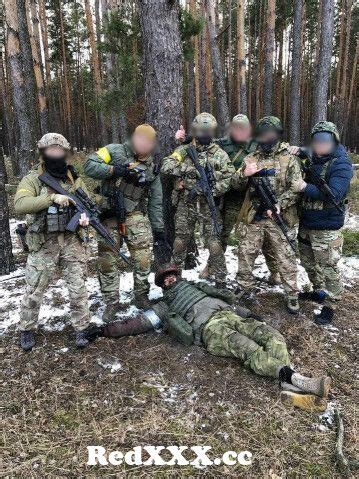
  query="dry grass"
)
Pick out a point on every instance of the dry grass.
point(56, 404)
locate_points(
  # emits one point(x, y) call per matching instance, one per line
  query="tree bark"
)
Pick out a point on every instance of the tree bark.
point(193, 10)
point(268, 66)
point(295, 93)
point(26, 148)
point(28, 68)
point(241, 57)
point(45, 41)
point(218, 77)
point(66, 81)
point(320, 93)
point(7, 263)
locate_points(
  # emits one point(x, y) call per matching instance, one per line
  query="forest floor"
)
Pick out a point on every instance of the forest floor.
point(150, 390)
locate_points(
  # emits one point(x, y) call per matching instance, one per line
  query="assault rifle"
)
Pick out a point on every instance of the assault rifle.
point(318, 181)
point(117, 202)
point(269, 202)
point(83, 204)
point(206, 183)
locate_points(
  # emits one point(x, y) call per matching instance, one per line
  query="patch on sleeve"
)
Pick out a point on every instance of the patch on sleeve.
point(104, 154)
point(23, 190)
point(177, 155)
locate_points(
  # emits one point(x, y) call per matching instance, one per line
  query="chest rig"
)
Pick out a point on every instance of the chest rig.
point(182, 296)
point(312, 204)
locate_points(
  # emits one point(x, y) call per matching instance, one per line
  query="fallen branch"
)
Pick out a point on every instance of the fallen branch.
point(344, 464)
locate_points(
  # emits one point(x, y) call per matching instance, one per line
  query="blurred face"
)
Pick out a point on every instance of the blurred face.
point(268, 136)
point(142, 144)
point(323, 143)
point(55, 152)
point(169, 280)
point(240, 133)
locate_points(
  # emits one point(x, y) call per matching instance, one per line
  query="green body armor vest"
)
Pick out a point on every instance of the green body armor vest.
point(182, 296)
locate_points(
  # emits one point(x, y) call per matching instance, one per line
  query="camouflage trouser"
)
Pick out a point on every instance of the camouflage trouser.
point(138, 241)
point(187, 216)
point(259, 346)
point(64, 251)
point(251, 240)
point(230, 213)
point(320, 251)
point(269, 254)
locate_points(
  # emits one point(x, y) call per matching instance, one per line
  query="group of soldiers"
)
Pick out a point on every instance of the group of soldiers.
point(259, 186)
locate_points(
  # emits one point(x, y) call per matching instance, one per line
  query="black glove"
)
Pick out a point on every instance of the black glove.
point(119, 171)
point(162, 249)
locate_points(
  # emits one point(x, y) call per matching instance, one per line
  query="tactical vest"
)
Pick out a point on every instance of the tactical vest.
point(182, 296)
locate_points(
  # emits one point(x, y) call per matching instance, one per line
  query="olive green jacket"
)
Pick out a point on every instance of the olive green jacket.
point(99, 165)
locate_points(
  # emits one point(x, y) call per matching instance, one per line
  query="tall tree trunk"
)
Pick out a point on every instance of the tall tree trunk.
point(204, 103)
point(320, 94)
point(28, 68)
point(96, 73)
point(66, 81)
point(36, 54)
point(7, 263)
point(241, 58)
point(45, 41)
point(162, 54)
point(344, 86)
point(295, 93)
point(26, 148)
point(268, 66)
point(351, 89)
point(218, 77)
point(193, 10)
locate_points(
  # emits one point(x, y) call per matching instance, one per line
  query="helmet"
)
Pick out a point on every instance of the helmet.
point(163, 271)
point(326, 126)
point(51, 139)
point(240, 120)
point(204, 121)
point(269, 123)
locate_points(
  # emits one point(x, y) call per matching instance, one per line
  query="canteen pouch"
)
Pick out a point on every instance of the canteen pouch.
point(178, 328)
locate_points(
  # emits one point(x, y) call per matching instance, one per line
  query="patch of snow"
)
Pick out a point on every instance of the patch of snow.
point(113, 367)
point(327, 418)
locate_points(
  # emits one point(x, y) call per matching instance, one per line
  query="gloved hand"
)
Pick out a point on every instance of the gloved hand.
point(61, 200)
point(119, 170)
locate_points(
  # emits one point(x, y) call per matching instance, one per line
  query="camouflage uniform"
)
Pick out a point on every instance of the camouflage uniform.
point(47, 251)
point(180, 167)
point(254, 231)
point(143, 206)
point(221, 331)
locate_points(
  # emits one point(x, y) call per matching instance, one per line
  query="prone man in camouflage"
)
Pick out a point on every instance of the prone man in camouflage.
point(256, 226)
point(238, 143)
point(50, 246)
point(180, 167)
point(322, 214)
point(197, 313)
point(128, 170)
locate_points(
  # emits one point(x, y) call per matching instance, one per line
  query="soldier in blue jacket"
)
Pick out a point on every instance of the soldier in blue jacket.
point(326, 182)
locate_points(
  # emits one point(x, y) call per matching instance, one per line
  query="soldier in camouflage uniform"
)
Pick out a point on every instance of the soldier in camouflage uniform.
point(237, 144)
point(128, 167)
point(256, 226)
point(180, 167)
point(320, 222)
point(47, 214)
point(197, 313)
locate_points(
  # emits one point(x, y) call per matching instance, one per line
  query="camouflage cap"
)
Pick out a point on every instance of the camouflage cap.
point(240, 120)
point(327, 126)
point(163, 271)
point(269, 123)
point(51, 139)
point(204, 121)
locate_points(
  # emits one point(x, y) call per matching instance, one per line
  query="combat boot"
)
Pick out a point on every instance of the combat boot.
point(325, 316)
point(316, 296)
point(292, 304)
point(318, 386)
point(111, 310)
point(142, 302)
point(81, 340)
point(306, 402)
point(27, 340)
point(274, 279)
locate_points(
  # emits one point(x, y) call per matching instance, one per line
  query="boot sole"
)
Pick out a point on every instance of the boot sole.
point(306, 402)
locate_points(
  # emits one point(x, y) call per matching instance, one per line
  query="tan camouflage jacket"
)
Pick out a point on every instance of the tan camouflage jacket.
point(180, 166)
point(287, 172)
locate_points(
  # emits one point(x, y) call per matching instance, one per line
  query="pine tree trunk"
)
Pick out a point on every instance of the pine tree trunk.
point(7, 263)
point(66, 81)
point(26, 148)
point(218, 77)
point(241, 57)
point(193, 10)
point(28, 68)
point(204, 104)
point(45, 41)
point(36, 54)
point(344, 86)
point(295, 93)
point(320, 94)
point(268, 66)
point(351, 90)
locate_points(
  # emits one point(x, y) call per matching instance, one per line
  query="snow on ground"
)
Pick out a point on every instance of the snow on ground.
point(55, 311)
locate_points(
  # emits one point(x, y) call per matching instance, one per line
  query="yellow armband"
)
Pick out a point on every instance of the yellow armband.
point(104, 154)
